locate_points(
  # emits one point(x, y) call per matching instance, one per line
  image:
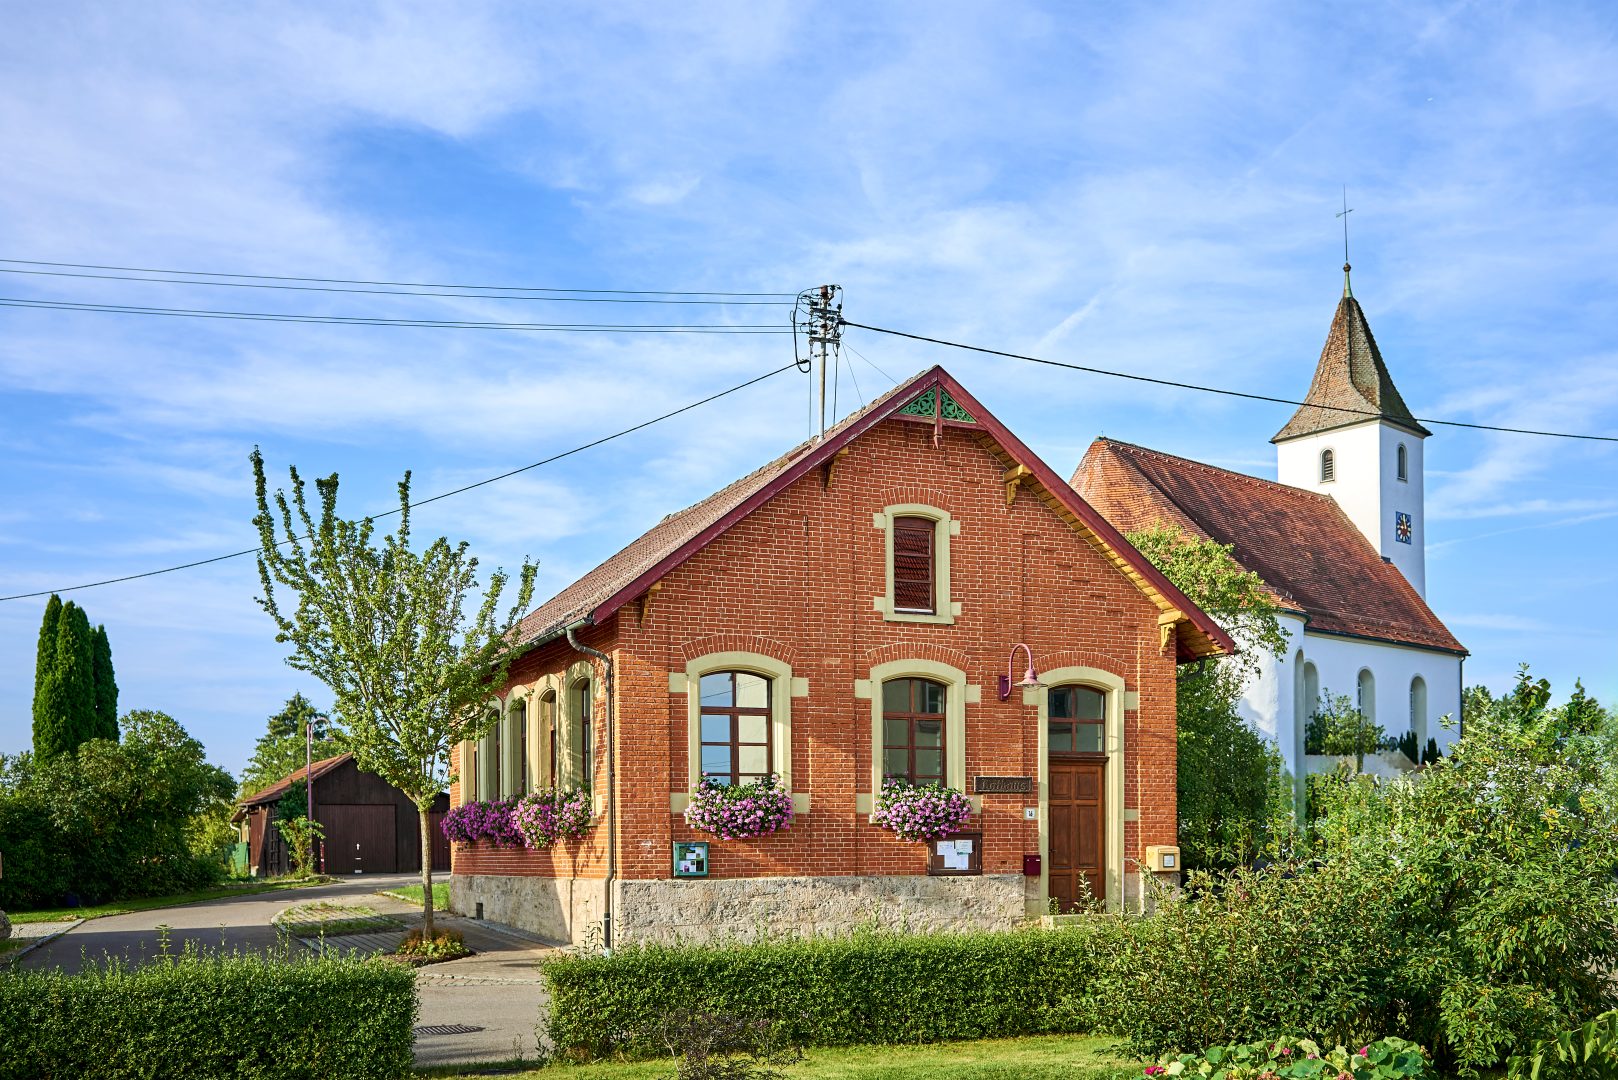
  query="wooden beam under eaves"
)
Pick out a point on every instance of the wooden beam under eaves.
point(646, 601)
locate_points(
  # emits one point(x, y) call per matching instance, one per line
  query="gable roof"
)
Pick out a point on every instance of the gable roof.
point(599, 594)
point(1351, 383)
point(274, 792)
point(1308, 553)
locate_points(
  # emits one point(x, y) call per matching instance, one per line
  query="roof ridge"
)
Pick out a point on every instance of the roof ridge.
point(1249, 477)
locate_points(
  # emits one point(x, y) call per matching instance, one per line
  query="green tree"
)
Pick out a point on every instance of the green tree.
point(281, 750)
point(389, 631)
point(45, 656)
point(64, 709)
point(1233, 796)
point(105, 686)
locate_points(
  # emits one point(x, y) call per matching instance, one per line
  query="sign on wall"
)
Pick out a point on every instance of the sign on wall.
point(690, 858)
point(1002, 785)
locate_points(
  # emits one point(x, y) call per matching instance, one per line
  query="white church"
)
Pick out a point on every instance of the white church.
point(1339, 541)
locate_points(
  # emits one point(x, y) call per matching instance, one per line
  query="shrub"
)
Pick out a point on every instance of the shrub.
point(1384, 1059)
point(871, 987)
point(211, 1015)
point(553, 814)
point(1338, 728)
point(739, 811)
point(924, 812)
point(443, 945)
point(1589, 1051)
point(492, 821)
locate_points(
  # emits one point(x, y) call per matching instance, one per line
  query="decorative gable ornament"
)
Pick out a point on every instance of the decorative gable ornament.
point(927, 405)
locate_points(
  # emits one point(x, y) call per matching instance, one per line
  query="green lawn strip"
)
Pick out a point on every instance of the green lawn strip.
point(324, 918)
point(411, 894)
point(14, 943)
point(149, 903)
point(1075, 1057)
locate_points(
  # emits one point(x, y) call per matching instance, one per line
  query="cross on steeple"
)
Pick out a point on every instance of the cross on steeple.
point(1347, 210)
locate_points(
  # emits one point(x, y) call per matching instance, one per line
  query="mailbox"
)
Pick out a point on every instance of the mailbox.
point(1030, 866)
point(1163, 858)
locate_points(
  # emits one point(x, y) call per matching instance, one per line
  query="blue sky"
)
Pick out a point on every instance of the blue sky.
point(1148, 189)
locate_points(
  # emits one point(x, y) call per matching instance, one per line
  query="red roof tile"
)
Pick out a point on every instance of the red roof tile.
point(600, 593)
point(274, 792)
point(1300, 543)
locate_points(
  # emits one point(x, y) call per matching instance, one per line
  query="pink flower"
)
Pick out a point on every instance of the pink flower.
point(1365, 1051)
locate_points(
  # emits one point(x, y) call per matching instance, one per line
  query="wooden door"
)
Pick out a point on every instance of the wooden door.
point(359, 839)
point(1078, 838)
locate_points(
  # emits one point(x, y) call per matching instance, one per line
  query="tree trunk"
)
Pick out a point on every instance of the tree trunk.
point(426, 873)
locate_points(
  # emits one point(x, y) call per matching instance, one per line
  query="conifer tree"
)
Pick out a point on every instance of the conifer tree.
point(64, 709)
point(105, 685)
point(45, 658)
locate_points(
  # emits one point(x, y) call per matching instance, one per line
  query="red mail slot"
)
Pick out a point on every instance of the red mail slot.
point(1030, 866)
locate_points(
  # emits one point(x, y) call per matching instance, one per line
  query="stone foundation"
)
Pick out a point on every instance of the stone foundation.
point(557, 909)
point(741, 909)
point(710, 909)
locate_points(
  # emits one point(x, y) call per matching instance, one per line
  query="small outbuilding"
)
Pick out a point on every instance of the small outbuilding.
point(371, 826)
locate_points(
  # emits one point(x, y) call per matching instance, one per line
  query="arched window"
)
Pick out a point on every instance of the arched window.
point(582, 732)
point(489, 761)
point(1403, 460)
point(734, 726)
point(517, 746)
point(547, 736)
point(1365, 698)
point(1077, 718)
point(1311, 690)
point(913, 730)
point(1328, 466)
point(1418, 714)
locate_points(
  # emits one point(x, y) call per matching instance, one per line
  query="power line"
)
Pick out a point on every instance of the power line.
point(377, 320)
point(430, 499)
point(399, 284)
point(1217, 389)
point(682, 299)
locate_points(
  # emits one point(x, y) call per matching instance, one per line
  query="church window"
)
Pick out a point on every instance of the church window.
point(1328, 466)
point(1365, 699)
point(1418, 714)
point(1403, 457)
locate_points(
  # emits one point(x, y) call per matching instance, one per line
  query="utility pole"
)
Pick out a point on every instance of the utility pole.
point(818, 314)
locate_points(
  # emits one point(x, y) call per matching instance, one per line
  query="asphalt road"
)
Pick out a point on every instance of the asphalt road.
point(497, 991)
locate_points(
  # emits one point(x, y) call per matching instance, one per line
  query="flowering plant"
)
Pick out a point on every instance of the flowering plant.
point(474, 821)
point(546, 816)
point(739, 811)
point(920, 813)
point(1384, 1059)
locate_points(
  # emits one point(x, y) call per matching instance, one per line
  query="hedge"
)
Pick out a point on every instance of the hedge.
point(211, 1016)
point(865, 988)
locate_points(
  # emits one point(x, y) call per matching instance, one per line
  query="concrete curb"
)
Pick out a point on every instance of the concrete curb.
point(11, 958)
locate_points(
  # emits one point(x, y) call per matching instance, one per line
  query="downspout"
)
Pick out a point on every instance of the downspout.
point(612, 793)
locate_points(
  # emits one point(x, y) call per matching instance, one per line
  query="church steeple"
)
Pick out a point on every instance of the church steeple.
point(1351, 384)
point(1355, 440)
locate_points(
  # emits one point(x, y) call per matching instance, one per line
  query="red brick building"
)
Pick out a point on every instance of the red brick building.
point(854, 603)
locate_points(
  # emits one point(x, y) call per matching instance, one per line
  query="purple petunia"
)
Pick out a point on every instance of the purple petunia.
point(739, 811)
point(920, 813)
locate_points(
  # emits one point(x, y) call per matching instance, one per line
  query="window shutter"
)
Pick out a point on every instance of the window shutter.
point(913, 564)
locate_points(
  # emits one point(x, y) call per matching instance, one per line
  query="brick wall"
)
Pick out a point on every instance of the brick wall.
point(795, 580)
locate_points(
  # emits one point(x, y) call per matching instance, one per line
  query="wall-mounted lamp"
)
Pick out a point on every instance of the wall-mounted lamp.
point(1030, 679)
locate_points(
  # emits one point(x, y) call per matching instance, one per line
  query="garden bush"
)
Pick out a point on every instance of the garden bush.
point(1284, 1059)
point(206, 1015)
point(869, 987)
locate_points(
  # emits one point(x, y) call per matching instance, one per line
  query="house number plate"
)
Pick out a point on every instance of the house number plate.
point(1002, 785)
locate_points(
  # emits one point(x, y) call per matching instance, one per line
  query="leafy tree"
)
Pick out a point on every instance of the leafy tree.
point(280, 751)
point(112, 820)
point(1338, 728)
point(301, 834)
point(64, 709)
point(105, 686)
point(1232, 792)
point(45, 657)
point(388, 630)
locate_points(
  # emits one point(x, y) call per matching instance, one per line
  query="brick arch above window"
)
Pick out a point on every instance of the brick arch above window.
point(732, 642)
point(924, 650)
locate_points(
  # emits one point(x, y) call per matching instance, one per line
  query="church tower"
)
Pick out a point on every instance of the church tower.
point(1355, 440)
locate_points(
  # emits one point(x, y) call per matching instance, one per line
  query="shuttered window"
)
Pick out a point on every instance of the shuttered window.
point(913, 562)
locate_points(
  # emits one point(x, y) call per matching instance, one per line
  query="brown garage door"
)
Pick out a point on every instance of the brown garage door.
point(359, 839)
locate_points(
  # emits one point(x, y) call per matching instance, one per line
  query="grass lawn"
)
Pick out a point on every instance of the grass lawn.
point(412, 894)
point(147, 903)
point(326, 919)
point(11, 944)
point(1073, 1057)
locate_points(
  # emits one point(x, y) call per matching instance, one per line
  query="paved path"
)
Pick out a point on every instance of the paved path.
point(496, 991)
